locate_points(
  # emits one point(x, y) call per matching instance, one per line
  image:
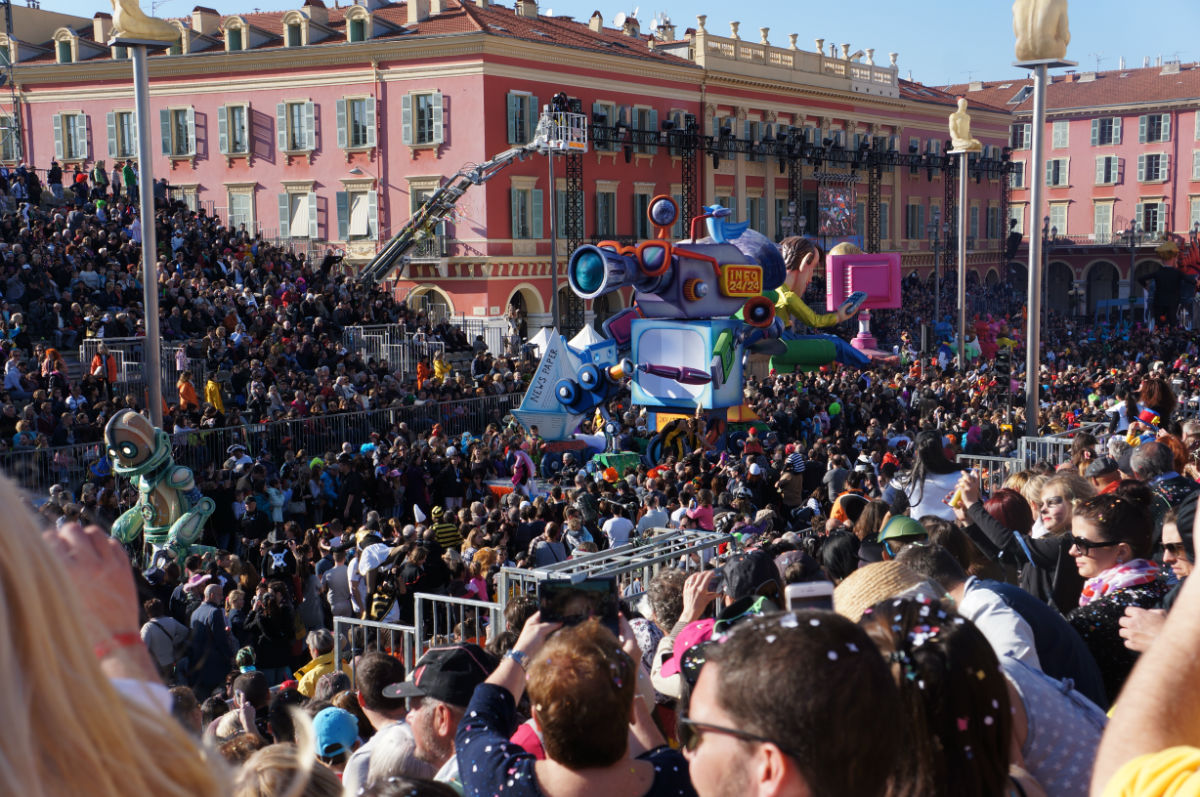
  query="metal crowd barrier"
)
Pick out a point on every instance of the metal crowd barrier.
point(993, 471)
point(443, 620)
point(131, 365)
point(1056, 448)
point(372, 635)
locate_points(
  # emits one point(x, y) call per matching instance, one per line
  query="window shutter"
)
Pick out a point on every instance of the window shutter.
point(81, 135)
point(1142, 124)
point(406, 120)
point(652, 137)
point(111, 123)
point(535, 113)
point(1027, 130)
point(1100, 164)
point(512, 107)
point(536, 214)
point(1140, 213)
point(281, 132)
point(191, 128)
point(1095, 132)
point(1164, 168)
point(373, 215)
point(164, 127)
point(310, 126)
point(58, 137)
point(1141, 173)
point(1116, 130)
point(285, 214)
point(600, 215)
point(370, 104)
point(313, 231)
point(223, 129)
point(438, 118)
point(514, 197)
point(1166, 127)
point(342, 201)
point(1050, 172)
point(343, 137)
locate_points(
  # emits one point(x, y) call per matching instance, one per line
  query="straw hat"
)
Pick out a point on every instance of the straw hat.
point(868, 585)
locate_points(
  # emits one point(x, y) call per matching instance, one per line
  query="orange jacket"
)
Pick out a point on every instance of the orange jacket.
point(107, 371)
point(187, 396)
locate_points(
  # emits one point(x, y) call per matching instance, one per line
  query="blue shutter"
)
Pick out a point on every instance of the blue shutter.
point(342, 200)
point(58, 137)
point(651, 146)
point(310, 126)
point(1095, 132)
point(439, 119)
point(164, 126)
point(535, 222)
point(1141, 173)
point(343, 133)
point(191, 130)
point(406, 119)
point(370, 104)
point(111, 124)
point(281, 131)
point(1116, 130)
point(373, 214)
point(535, 112)
point(514, 197)
point(313, 227)
point(1142, 125)
point(285, 211)
point(223, 129)
point(512, 107)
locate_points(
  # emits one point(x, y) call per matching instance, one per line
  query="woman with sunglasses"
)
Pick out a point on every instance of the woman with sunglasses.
point(1111, 542)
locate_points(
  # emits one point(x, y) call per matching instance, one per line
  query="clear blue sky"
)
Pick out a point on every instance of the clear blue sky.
point(940, 41)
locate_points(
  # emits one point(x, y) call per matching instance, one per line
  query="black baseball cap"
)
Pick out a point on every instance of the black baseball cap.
point(1102, 466)
point(748, 573)
point(449, 674)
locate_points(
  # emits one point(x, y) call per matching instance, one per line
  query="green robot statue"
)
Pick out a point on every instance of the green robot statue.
point(170, 510)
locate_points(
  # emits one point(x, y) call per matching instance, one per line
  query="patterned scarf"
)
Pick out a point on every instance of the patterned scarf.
point(1130, 574)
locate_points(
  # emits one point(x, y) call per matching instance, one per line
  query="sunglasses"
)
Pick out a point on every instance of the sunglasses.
point(1085, 545)
point(1176, 549)
point(691, 734)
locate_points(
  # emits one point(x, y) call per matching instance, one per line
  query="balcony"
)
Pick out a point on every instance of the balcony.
point(434, 247)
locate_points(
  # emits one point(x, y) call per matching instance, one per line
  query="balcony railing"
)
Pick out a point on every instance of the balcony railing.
point(431, 248)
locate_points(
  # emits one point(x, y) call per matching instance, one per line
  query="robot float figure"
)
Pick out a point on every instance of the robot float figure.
point(170, 510)
point(698, 307)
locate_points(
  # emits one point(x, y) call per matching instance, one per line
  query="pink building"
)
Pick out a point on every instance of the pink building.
point(329, 125)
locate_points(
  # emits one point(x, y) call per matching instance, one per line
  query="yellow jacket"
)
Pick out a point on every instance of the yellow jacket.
point(441, 369)
point(212, 394)
point(310, 673)
point(788, 304)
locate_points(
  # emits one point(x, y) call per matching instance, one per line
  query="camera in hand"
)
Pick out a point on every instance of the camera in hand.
point(571, 603)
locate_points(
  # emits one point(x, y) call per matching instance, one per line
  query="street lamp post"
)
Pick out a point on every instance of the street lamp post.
point(934, 230)
point(1133, 238)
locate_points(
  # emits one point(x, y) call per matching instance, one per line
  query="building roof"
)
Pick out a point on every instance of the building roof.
point(1082, 90)
point(941, 96)
point(458, 17)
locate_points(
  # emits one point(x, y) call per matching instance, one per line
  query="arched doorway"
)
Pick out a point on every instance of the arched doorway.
point(992, 278)
point(433, 300)
point(1103, 283)
point(1144, 269)
point(1060, 279)
point(1018, 278)
point(526, 298)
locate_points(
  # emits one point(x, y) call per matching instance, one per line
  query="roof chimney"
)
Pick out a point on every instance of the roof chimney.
point(101, 26)
point(596, 23)
point(1121, 64)
point(527, 8)
point(316, 11)
point(631, 27)
point(418, 11)
point(481, 3)
point(976, 85)
point(1146, 62)
point(205, 21)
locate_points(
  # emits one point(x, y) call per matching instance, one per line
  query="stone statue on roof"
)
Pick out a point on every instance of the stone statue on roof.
point(130, 24)
point(960, 130)
point(1041, 29)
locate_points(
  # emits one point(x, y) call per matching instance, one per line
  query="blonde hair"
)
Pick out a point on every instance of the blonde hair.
point(1018, 480)
point(1031, 491)
point(1072, 486)
point(285, 770)
point(65, 729)
point(845, 248)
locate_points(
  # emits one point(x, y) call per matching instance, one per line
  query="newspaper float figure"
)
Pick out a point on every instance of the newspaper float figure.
point(170, 510)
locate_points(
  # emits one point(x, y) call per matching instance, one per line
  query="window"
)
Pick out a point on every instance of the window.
point(756, 213)
point(122, 134)
point(187, 194)
point(233, 40)
point(1058, 217)
point(1057, 170)
point(1060, 135)
point(1152, 168)
point(296, 126)
point(1016, 178)
point(1153, 216)
point(604, 114)
point(10, 141)
point(884, 221)
point(526, 213)
point(606, 214)
point(298, 215)
point(1108, 170)
point(1194, 215)
point(421, 119)
point(1017, 213)
point(358, 215)
point(973, 223)
point(70, 136)
point(1022, 136)
point(1106, 131)
point(522, 117)
point(679, 229)
point(178, 128)
point(1196, 161)
point(645, 131)
point(1102, 222)
point(176, 47)
point(233, 129)
point(780, 214)
point(752, 132)
point(914, 222)
point(914, 146)
point(357, 30)
point(295, 35)
point(65, 55)
point(641, 222)
point(993, 222)
point(1153, 128)
point(356, 123)
point(241, 211)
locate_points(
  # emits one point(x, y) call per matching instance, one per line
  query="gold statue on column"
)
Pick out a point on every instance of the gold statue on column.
point(1041, 29)
point(960, 130)
point(130, 24)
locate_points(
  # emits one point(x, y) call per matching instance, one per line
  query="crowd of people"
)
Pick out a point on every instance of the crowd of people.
point(1021, 634)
